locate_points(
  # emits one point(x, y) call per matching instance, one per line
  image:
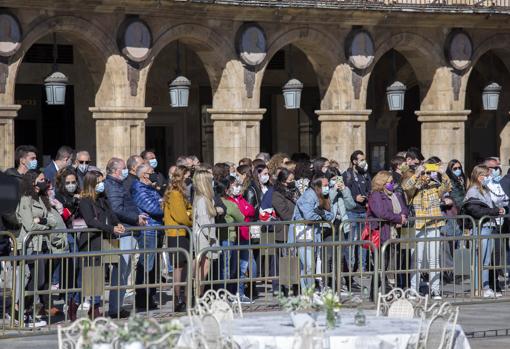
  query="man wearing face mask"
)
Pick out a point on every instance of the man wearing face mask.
point(125, 209)
point(81, 164)
point(148, 201)
point(132, 163)
point(160, 182)
point(63, 159)
point(357, 179)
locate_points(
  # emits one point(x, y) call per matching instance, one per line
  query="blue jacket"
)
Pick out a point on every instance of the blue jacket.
point(148, 201)
point(120, 201)
point(50, 172)
point(305, 211)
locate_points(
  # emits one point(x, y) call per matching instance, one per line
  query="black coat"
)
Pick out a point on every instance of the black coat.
point(477, 209)
point(71, 203)
point(98, 215)
point(253, 195)
point(359, 184)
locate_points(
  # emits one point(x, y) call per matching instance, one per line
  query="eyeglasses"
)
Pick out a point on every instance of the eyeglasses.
point(73, 182)
point(84, 161)
point(456, 168)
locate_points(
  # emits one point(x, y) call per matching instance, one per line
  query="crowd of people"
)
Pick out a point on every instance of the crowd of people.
point(72, 193)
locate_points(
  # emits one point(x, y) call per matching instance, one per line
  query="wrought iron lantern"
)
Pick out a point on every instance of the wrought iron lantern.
point(55, 83)
point(490, 96)
point(396, 94)
point(179, 92)
point(292, 94)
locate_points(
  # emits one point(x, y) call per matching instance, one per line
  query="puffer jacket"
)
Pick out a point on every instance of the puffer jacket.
point(120, 201)
point(148, 201)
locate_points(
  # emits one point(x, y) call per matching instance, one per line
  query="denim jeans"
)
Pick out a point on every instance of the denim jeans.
point(486, 246)
point(355, 235)
point(244, 262)
point(431, 251)
point(145, 269)
point(225, 259)
point(120, 273)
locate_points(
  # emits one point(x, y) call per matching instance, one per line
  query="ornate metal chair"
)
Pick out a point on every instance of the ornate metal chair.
point(401, 304)
point(221, 303)
point(439, 332)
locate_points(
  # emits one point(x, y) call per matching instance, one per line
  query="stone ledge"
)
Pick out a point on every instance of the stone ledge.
point(442, 115)
point(343, 115)
point(9, 111)
point(237, 114)
point(120, 113)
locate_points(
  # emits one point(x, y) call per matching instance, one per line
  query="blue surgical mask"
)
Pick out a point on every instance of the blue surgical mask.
point(32, 164)
point(99, 187)
point(496, 177)
point(496, 172)
point(486, 181)
point(153, 163)
point(457, 172)
point(125, 173)
point(325, 190)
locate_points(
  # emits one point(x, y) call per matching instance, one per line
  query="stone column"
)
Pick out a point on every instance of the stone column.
point(342, 132)
point(504, 148)
point(443, 133)
point(236, 133)
point(7, 115)
point(120, 132)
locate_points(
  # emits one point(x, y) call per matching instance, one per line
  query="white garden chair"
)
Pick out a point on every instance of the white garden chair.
point(221, 303)
point(439, 331)
point(401, 304)
point(80, 333)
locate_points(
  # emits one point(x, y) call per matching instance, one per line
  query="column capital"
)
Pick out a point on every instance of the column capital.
point(343, 115)
point(9, 111)
point(236, 114)
point(442, 115)
point(120, 113)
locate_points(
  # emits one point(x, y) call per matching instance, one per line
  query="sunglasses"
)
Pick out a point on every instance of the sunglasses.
point(84, 161)
point(456, 168)
point(74, 182)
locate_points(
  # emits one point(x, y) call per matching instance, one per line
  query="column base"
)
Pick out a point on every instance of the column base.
point(7, 115)
point(342, 132)
point(120, 132)
point(236, 133)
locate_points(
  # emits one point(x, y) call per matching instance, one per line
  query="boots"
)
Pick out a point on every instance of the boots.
point(72, 311)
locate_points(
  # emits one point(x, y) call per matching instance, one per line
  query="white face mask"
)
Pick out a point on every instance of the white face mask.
point(264, 179)
point(236, 190)
point(71, 188)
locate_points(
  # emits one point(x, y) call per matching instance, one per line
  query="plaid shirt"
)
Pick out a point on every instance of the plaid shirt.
point(426, 199)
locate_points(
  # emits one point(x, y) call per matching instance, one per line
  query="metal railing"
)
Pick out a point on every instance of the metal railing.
point(469, 6)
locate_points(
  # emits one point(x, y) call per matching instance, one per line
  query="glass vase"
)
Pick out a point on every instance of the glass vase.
point(330, 319)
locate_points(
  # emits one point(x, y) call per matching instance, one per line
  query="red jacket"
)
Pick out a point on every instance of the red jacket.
point(248, 211)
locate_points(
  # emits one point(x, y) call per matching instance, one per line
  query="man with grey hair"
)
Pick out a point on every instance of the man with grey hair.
point(82, 164)
point(133, 162)
point(126, 210)
point(182, 161)
point(148, 201)
point(264, 157)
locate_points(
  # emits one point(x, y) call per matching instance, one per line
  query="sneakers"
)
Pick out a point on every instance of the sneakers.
point(245, 300)
point(436, 296)
point(488, 293)
point(85, 305)
point(55, 287)
point(498, 294)
point(122, 314)
point(29, 322)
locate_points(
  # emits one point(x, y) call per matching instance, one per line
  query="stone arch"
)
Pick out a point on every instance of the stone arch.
point(95, 45)
point(215, 52)
point(321, 49)
point(424, 55)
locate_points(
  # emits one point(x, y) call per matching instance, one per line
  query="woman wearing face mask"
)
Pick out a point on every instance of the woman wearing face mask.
point(34, 212)
point(258, 187)
point(177, 211)
point(320, 166)
point(97, 214)
point(242, 238)
point(457, 177)
point(386, 204)
point(478, 203)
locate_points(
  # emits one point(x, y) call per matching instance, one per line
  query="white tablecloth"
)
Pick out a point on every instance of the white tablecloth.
point(275, 330)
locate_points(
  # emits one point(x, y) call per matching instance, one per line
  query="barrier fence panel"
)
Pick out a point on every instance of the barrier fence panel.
point(285, 258)
point(37, 304)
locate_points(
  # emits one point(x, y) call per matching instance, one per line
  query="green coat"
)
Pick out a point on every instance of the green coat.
point(233, 215)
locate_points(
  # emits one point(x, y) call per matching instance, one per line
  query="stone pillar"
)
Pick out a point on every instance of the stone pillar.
point(504, 148)
point(443, 133)
point(236, 133)
point(120, 132)
point(342, 132)
point(7, 115)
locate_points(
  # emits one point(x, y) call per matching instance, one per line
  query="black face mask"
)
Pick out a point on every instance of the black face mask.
point(413, 167)
point(153, 177)
point(291, 185)
point(188, 181)
point(43, 187)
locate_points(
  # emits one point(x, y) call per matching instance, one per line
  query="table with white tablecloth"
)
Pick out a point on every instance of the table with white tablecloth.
point(275, 330)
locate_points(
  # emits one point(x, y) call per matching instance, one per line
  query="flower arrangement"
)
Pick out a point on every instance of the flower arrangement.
point(331, 303)
point(141, 330)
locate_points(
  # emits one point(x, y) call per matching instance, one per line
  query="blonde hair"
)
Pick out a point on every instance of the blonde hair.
point(478, 170)
point(202, 183)
point(380, 179)
point(275, 162)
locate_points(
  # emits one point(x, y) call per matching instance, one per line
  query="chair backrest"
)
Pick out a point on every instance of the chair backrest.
point(439, 332)
point(401, 304)
point(418, 301)
point(211, 330)
point(402, 309)
point(73, 336)
point(384, 301)
point(223, 304)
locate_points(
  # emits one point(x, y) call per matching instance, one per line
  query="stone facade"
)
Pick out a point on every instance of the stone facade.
point(120, 100)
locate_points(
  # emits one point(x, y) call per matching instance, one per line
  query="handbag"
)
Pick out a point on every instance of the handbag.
point(369, 234)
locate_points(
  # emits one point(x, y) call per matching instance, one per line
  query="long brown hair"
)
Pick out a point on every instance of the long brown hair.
point(176, 183)
point(478, 170)
point(89, 185)
point(245, 170)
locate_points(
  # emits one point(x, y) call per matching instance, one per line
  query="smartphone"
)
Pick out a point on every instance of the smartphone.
point(340, 180)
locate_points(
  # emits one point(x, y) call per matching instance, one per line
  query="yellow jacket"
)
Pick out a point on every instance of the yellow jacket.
point(177, 211)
